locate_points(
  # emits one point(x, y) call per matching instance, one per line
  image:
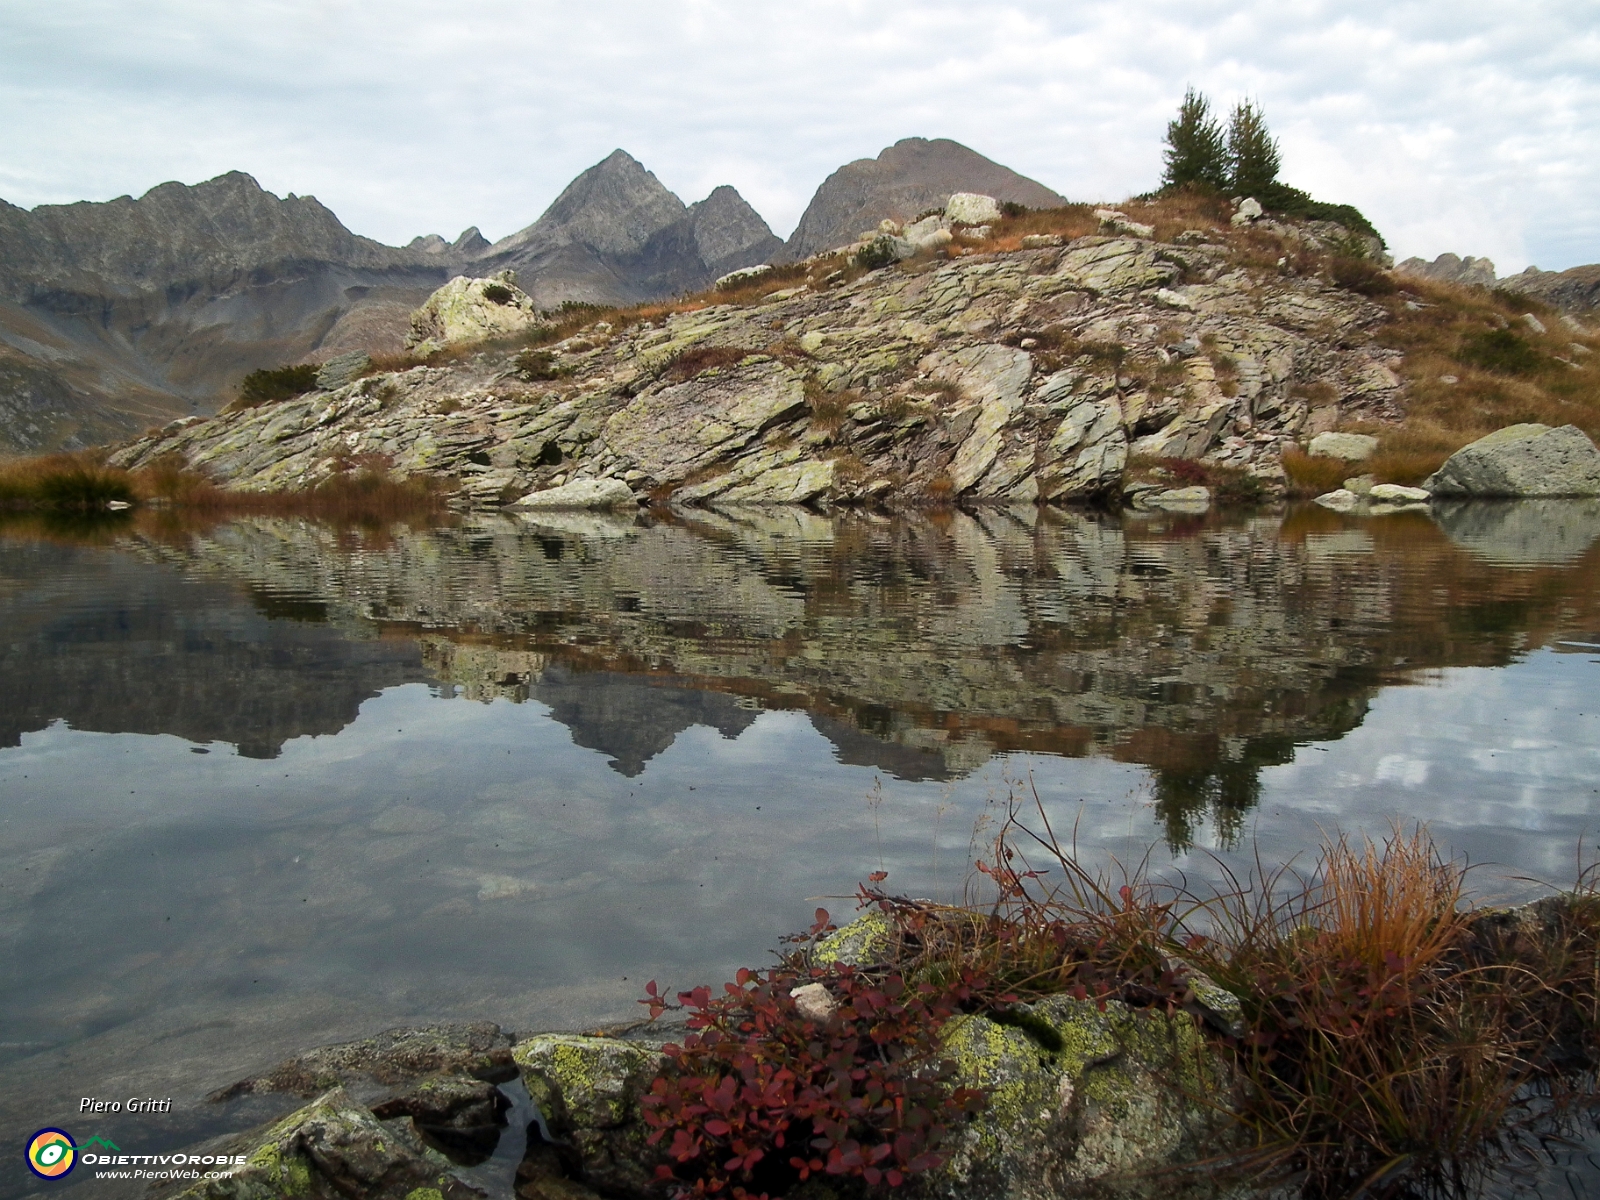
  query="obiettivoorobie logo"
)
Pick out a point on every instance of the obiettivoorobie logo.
point(52, 1153)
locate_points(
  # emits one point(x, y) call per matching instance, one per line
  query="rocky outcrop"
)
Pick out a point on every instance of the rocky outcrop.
point(1522, 461)
point(1575, 291)
point(1451, 268)
point(986, 376)
point(904, 181)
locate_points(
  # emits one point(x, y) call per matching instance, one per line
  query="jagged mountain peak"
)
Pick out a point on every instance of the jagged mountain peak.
point(729, 233)
point(613, 207)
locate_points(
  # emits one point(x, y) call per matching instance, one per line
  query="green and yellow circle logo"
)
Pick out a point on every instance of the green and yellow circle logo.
point(51, 1153)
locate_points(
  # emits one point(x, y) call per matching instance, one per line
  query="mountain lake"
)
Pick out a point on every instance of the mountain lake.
point(269, 784)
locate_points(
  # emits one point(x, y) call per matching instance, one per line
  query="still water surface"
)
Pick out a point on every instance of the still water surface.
point(268, 784)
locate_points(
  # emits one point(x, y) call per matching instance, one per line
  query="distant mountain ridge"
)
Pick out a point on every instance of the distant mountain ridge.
point(118, 315)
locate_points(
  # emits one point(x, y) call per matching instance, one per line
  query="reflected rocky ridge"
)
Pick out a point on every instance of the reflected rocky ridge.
point(919, 645)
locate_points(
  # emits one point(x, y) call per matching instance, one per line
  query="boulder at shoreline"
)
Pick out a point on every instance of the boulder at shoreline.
point(1522, 460)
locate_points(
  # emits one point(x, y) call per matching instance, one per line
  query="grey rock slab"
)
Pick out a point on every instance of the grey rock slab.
point(1522, 461)
point(1352, 447)
point(671, 433)
point(1397, 493)
point(342, 370)
point(1178, 500)
point(581, 493)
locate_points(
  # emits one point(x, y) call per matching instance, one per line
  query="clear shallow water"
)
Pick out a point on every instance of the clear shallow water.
point(268, 785)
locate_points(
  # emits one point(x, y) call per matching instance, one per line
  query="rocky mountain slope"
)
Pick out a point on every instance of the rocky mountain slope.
point(111, 314)
point(117, 316)
point(903, 182)
point(1028, 374)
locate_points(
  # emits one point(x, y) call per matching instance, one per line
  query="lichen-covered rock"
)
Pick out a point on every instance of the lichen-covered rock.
point(470, 310)
point(1085, 1101)
point(1522, 460)
point(334, 1149)
point(970, 208)
point(588, 1089)
point(1080, 1100)
point(862, 942)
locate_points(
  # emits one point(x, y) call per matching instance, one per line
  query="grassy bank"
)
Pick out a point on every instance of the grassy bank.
point(82, 485)
point(1397, 1040)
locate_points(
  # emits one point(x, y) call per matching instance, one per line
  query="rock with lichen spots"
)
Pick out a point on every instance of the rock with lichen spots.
point(1112, 1102)
point(589, 1090)
point(332, 1149)
point(471, 310)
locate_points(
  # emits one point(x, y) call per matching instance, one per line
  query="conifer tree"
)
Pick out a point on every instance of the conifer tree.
point(1195, 151)
point(1252, 151)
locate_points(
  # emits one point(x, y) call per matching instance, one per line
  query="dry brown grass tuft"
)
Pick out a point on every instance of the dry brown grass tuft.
point(696, 360)
point(80, 482)
point(828, 409)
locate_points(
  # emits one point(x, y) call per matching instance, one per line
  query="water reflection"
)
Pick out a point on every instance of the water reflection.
point(1204, 650)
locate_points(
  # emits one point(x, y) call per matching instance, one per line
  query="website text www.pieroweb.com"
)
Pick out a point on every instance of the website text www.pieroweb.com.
point(55, 1154)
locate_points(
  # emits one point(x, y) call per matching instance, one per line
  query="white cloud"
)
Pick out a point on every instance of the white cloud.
point(1470, 127)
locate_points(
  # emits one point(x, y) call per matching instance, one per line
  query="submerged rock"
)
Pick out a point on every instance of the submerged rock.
point(1522, 460)
point(396, 1056)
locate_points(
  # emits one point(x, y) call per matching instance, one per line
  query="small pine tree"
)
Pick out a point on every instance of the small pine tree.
point(1195, 151)
point(1252, 151)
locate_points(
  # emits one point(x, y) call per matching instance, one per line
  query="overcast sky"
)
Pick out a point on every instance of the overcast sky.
point(1470, 126)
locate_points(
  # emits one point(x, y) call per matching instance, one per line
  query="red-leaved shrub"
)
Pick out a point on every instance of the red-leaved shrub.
point(760, 1097)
